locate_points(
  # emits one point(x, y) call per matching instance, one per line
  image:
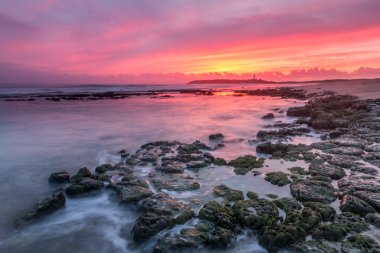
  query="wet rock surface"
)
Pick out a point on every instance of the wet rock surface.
point(227, 193)
point(277, 178)
point(311, 190)
point(245, 164)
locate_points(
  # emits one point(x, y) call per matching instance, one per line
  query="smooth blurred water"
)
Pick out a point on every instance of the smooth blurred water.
point(40, 137)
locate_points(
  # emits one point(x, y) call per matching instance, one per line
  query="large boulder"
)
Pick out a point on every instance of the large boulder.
point(372, 198)
point(332, 171)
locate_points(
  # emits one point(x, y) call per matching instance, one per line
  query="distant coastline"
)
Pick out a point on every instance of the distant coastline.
point(261, 81)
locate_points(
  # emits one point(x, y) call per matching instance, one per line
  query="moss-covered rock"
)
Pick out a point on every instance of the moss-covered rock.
point(299, 171)
point(360, 243)
point(311, 190)
point(245, 164)
point(220, 161)
point(353, 204)
point(218, 214)
point(314, 246)
point(252, 195)
point(227, 193)
point(277, 178)
point(287, 204)
point(255, 213)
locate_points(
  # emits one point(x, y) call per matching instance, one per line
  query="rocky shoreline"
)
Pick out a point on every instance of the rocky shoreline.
point(344, 165)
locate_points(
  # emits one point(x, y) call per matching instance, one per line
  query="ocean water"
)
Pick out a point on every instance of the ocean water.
point(41, 137)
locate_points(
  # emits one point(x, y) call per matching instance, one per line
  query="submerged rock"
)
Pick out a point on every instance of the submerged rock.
point(59, 177)
point(227, 193)
point(311, 190)
point(277, 178)
point(245, 164)
point(45, 207)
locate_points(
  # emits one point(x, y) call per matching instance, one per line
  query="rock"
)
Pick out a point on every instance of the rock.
point(329, 170)
point(173, 184)
point(271, 196)
point(307, 219)
point(372, 198)
point(255, 213)
point(373, 219)
point(314, 246)
point(252, 195)
point(188, 238)
point(360, 243)
point(244, 164)
point(132, 181)
point(83, 172)
point(353, 204)
point(227, 193)
point(310, 190)
point(289, 152)
point(287, 204)
point(103, 168)
point(160, 212)
point(343, 224)
point(349, 142)
point(268, 116)
point(277, 178)
point(218, 214)
point(356, 183)
point(344, 161)
point(320, 178)
point(326, 212)
point(282, 133)
point(150, 224)
point(302, 121)
point(131, 194)
point(220, 161)
point(282, 236)
point(45, 207)
point(217, 237)
point(298, 171)
point(302, 111)
point(213, 137)
point(59, 177)
point(330, 232)
point(163, 204)
point(85, 185)
point(172, 167)
point(349, 151)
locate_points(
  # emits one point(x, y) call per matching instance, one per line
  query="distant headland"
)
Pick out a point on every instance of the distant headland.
point(234, 81)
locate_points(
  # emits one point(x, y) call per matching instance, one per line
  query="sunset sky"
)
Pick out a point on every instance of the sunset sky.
point(152, 41)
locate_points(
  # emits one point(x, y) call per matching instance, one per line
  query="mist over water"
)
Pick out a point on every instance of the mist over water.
point(41, 137)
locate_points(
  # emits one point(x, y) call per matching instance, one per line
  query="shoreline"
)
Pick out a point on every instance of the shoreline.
point(340, 118)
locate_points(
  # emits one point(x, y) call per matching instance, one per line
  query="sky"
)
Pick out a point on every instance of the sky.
point(175, 41)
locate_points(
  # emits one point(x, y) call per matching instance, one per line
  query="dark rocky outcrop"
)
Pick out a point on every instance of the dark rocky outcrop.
point(227, 193)
point(59, 177)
